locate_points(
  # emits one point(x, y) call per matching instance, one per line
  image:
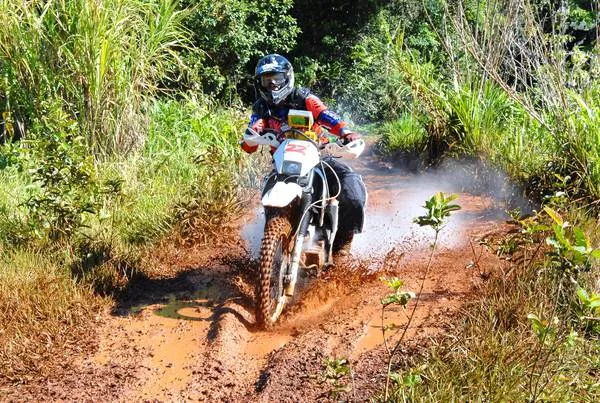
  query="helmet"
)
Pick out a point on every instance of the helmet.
point(274, 78)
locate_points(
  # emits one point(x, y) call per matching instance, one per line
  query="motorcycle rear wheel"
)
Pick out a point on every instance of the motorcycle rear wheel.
point(274, 259)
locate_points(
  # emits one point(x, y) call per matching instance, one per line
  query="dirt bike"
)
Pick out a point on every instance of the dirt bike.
point(301, 214)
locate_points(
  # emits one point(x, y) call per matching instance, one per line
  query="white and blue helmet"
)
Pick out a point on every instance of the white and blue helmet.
point(274, 78)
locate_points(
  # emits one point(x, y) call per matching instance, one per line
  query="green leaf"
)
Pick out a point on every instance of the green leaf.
point(405, 297)
point(554, 215)
point(396, 378)
point(390, 299)
point(438, 210)
point(559, 232)
point(394, 282)
point(594, 302)
point(581, 238)
point(538, 228)
point(583, 295)
point(572, 339)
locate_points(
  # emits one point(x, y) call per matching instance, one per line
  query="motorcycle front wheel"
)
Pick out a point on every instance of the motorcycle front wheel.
point(274, 260)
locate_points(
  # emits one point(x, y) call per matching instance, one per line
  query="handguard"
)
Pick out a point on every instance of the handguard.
point(252, 138)
point(351, 150)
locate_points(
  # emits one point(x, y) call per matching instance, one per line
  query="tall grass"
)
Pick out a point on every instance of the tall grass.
point(487, 122)
point(468, 115)
point(581, 135)
point(189, 167)
point(101, 59)
point(534, 119)
point(553, 82)
point(406, 133)
point(482, 112)
point(13, 222)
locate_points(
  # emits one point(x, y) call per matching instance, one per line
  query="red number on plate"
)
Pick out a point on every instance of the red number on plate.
point(295, 148)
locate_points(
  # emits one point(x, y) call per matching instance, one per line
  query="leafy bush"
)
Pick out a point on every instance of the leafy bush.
point(355, 67)
point(186, 175)
point(51, 182)
point(62, 174)
point(232, 35)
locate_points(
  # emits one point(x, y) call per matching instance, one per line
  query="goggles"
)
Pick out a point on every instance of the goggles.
point(272, 81)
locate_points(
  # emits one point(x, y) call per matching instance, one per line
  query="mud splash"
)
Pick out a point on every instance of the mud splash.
point(395, 200)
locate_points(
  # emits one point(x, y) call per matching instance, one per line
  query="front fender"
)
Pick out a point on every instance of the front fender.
point(281, 194)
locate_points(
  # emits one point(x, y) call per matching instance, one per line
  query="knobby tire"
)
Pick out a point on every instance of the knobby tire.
point(277, 231)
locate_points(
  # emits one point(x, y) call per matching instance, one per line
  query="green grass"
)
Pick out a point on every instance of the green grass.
point(13, 191)
point(579, 131)
point(191, 161)
point(528, 133)
point(101, 62)
point(404, 134)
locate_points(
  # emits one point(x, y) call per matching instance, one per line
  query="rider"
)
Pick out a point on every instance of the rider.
point(274, 82)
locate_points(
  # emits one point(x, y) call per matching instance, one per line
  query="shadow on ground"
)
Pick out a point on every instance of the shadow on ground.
point(222, 285)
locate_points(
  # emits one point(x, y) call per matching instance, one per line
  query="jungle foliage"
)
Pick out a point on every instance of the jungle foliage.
point(97, 162)
point(229, 36)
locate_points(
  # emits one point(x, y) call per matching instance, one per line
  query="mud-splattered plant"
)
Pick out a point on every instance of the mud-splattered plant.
point(398, 297)
point(438, 208)
point(336, 370)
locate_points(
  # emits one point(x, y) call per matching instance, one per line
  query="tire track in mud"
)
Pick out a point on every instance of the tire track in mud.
point(191, 334)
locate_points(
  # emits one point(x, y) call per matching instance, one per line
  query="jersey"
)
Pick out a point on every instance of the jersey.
point(265, 116)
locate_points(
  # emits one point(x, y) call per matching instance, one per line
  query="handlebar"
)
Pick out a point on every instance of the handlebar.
point(336, 149)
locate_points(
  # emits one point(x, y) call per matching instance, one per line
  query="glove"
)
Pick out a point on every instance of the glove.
point(249, 132)
point(350, 137)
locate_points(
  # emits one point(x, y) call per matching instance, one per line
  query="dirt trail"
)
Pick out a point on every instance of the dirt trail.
point(191, 334)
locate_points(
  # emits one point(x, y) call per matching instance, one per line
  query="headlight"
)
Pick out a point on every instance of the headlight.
point(291, 168)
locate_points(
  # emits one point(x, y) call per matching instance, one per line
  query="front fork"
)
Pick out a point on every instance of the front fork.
point(292, 274)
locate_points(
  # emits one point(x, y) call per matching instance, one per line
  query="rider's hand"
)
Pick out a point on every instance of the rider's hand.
point(350, 137)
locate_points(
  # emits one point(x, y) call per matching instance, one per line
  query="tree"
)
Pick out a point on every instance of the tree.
point(232, 35)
